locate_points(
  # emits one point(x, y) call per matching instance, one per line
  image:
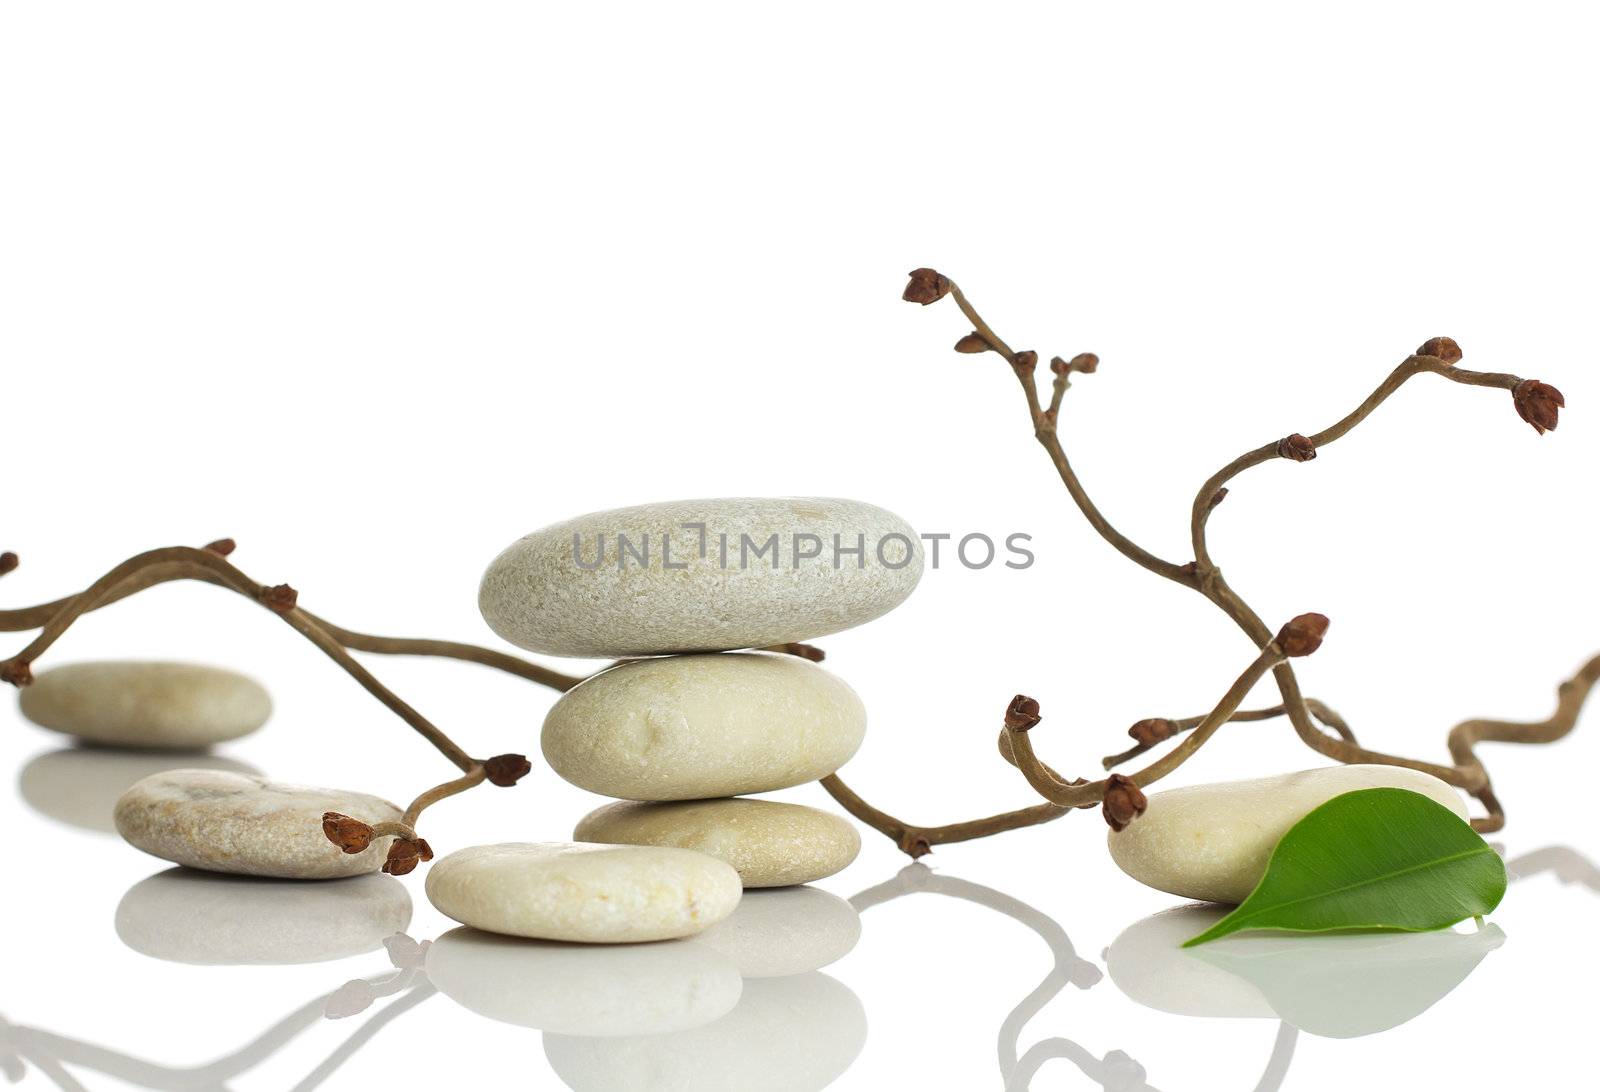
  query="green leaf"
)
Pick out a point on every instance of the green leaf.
point(1372, 859)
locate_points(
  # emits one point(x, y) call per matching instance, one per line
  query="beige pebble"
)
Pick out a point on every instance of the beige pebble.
point(1212, 842)
point(547, 596)
point(770, 844)
point(582, 892)
point(695, 727)
point(146, 703)
point(237, 823)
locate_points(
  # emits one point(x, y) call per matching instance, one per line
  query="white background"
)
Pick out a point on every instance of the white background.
point(377, 288)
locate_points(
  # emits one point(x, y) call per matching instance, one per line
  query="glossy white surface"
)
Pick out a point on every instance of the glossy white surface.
point(375, 287)
point(1000, 953)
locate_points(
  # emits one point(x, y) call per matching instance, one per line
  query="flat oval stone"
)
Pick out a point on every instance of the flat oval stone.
point(770, 844)
point(154, 704)
point(694, 727)
point(700, 575)
point(794, 1034)
point(249, 826)
point(1212, 842)
point(582, 892)
point(184, 916)
point(590, 990)
point(788, 931)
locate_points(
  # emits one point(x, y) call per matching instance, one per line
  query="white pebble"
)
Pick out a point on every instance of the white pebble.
point(694, 727)
point(152, 704)
point(1212, 842)
point(236, 823)
point(583, 892)
point(547, 596)
point(769, 843)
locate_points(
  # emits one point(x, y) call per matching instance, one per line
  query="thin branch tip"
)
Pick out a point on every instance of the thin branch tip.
point(1302, 635)
point(1022, 714)
point(1539, 404)
point(506, 770)
point(926, 286)
point(1441, 348)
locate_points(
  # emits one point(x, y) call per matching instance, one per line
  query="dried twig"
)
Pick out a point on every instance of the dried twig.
point(1120, 796)
point(1535, 402)
point(210, 565)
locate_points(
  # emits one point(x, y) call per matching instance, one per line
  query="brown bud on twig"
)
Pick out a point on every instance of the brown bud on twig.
point(506, 770)
point(1444, 348)
point(1123, 803)
point(1025, 361)
point(972, 343)
point(350, 835)
point(927, 286)
point(222, 546)
point(1538, 404)
point(1301, 636)
point(914, 845)
point(1297, 447)
point(1083, 362)
point(16, 672)
point(1022, 713)
point(9, 562)
point(1149, 732)
point(280, 598)
point(405, 854)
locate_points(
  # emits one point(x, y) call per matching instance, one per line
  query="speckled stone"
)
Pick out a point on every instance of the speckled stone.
point(770, 844)
point(585, 989)
point(184, 916)
point(581, 892)
point(545, 596)
point(150, 704)
point(1212, 842)
point(249, 826)
point(787, 931)
point(695, 727)
point(794, 1034)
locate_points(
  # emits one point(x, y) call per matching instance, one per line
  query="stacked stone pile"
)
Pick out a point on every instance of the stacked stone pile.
point(695, 718)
